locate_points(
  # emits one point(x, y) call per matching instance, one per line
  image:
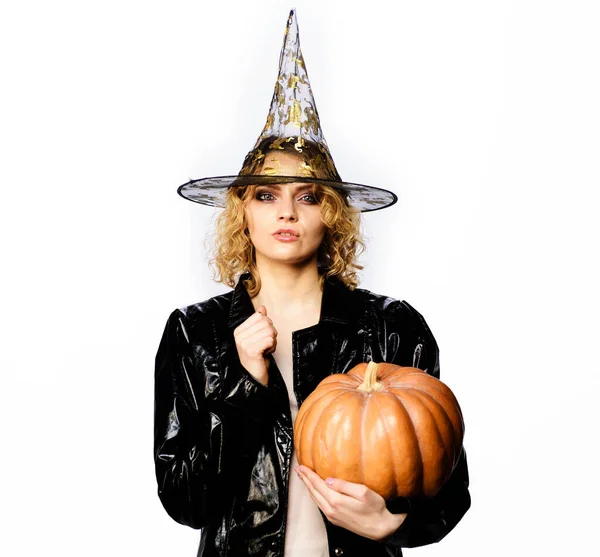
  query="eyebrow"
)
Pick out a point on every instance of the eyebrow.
point(278, 187)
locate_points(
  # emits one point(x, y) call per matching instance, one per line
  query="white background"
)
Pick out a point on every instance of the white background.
point(484, 118)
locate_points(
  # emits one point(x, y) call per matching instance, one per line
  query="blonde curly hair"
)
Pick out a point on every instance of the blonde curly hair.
point(233, 251)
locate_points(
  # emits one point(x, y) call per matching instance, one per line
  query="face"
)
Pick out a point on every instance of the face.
point(290, 207)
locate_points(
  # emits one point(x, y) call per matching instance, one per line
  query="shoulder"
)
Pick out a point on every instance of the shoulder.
point(212, 307)
point(392, 310)
point(197, 317)
point(402, 332)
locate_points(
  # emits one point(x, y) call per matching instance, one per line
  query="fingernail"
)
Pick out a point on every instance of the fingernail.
point(329, 481)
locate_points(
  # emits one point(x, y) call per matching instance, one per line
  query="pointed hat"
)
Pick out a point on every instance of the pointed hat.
point(292, 124)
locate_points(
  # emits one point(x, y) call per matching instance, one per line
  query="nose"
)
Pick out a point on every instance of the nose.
point(287, 209)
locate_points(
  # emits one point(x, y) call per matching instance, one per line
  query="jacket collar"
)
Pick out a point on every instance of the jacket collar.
point(339, 304)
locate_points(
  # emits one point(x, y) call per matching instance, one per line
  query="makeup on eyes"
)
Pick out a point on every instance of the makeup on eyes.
point(306, 190)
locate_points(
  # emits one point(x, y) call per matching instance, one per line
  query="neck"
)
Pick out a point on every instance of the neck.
point(288, 290)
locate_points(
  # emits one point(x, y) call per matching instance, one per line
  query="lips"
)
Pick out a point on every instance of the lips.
point(286, 233)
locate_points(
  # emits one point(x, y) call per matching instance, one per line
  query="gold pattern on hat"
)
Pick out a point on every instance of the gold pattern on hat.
point(293, 113)
point(306, 170)
point(277, 143)
point(274, 170)
point(299, 144)
point(258, 155)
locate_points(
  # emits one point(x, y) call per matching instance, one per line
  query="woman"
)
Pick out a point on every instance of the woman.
point(232, 371)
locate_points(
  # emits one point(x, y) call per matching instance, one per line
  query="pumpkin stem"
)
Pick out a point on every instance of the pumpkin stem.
point(370, 382)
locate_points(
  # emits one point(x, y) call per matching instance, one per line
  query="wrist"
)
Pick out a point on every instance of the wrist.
point(257, 373)
point(391, 525)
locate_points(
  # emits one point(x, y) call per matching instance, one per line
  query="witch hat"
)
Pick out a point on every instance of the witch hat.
point(292, 123)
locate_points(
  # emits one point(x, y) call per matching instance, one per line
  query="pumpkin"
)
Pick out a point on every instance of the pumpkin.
point(397, 430)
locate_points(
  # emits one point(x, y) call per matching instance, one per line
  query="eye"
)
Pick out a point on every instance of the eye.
point(264, 196)
point(310, 198)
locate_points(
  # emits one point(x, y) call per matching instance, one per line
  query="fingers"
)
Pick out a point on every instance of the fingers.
point(255, 338)
point(262, 347)
point(258, 344)
point(356, 491)
point(311, 484)
point(260, 316)
point(362, 515)
point(256, 317)
point(255, 331)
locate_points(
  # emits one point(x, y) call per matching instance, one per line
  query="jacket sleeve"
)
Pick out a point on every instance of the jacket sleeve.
point(430, 519)
point(201, 442)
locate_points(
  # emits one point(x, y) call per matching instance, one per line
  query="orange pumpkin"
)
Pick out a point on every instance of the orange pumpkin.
point(395, 429)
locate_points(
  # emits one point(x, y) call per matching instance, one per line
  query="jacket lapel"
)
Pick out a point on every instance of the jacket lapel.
point(241, 305)
point(335, 345)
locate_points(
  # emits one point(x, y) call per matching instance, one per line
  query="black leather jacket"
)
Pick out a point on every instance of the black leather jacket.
point(223, 441)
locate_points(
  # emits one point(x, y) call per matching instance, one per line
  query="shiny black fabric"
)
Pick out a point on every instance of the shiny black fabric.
point(223, 441)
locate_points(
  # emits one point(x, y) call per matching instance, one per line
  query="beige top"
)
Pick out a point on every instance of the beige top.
point(305, 534)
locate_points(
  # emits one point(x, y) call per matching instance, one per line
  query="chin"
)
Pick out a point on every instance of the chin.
point(290, 259)
point(291, 253)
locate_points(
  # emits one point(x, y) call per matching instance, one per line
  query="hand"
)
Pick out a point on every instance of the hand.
point(254, 339)
point(352, 506)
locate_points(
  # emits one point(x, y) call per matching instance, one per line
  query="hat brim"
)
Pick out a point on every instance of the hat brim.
point(212, 191)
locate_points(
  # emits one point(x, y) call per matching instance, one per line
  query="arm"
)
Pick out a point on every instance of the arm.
point(429, 520)
point(200, 442)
